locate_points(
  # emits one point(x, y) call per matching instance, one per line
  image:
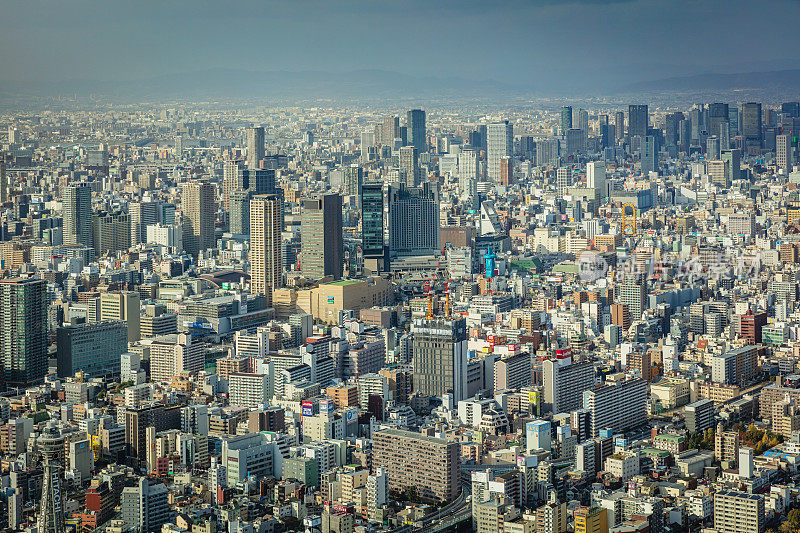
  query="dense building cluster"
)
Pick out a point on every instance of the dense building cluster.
point(548, 320)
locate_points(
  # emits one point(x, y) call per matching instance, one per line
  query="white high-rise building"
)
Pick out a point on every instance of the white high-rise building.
point(499, 144)
point(596, 177)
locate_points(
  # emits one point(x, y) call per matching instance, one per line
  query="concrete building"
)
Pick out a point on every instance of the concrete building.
point(738, 512)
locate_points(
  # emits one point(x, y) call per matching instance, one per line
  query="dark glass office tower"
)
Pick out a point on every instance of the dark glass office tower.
point(372, 241)
point(417, 130)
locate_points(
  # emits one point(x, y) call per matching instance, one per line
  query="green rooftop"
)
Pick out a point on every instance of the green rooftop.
point(343, 283)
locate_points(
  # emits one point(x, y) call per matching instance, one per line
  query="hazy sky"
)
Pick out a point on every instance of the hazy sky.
point(515, 41)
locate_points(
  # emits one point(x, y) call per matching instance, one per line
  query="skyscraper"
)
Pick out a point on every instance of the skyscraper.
point(620, 405)
point(3, 183)
point(77, 202)
point(638, 121)
point(321, 252)
point(23, 339)
point(413, 219)
point(409, 165)
point(596, 177)
point(440, 357)
point(563, 180)
point(266, 267)
point(619, 124)
point(649, 154)
point(142, 214)
point(239, 211)
point(111, 232)
point(500, 144)
point(390, 130)
point(199, 214)
point(634, 295)
point(372, 241)
point(751, 124)
point(417, 130)
point(51, 507)
point(566, 119)
point(255, 146)
point(783, 152)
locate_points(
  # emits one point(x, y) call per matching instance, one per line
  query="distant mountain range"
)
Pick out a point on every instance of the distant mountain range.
point(776, 80)
point(279, 85)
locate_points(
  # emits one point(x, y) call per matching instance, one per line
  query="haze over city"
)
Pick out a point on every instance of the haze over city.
point(400, 267)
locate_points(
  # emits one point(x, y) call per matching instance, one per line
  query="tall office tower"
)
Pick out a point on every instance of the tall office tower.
point(266, 267)
point(733, 120)
point(783, 152)
point(638, 121)
point(712, 148)
point(607, 135)
point(649, 154)
point(112, 232)
point(751, 125)
point(596, 177)
point(142, 214)
point(199, 214)
point(563, 180)
point(738, 512)
point(566, 119)
point(546, 152)
point(51, 506)
point(125, 306)
point(178, 146)
point(500, 144)
point(23, 322)
point(732, 158)
point(372, 240)
point(696, 119)
point(413, 220)
point(506, 171)
point(239, 211)
point(78, 214)
point(390, 130)
point(671, 132)
point(321, 250)
point(620, 405)
point(232, 180)
point(468, 171)
point(684, 135)
point(619, 124)
point(575, 142)
point(564, 383)
point(258, 180)
point(255, 147)
point(790, 109)
point(440, 357)
point(717, 114)
point(633, 293)
point(417, 132)
point(724, 135)
point(409, 165)
point(3, 183)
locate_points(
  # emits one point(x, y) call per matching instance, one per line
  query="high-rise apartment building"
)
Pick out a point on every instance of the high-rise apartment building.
point(142, 214)
point(390, 130)
point(321, 252)
point(199, 215)
point(500, 144)
point(440, 357)
point(619, 405)
point(255, 147)
point(145, 507)
point(23, 330)
point(266, 266)
point(77, 206)
point(409, 165)
point(428, 464)
point(564, 384)
point(619, 124)
point(172, 355)
point(633, 293)
point(239, 211)
point(417, 132)
point(566, 119)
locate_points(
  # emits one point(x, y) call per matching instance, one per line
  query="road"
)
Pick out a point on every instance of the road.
point(451, 514)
